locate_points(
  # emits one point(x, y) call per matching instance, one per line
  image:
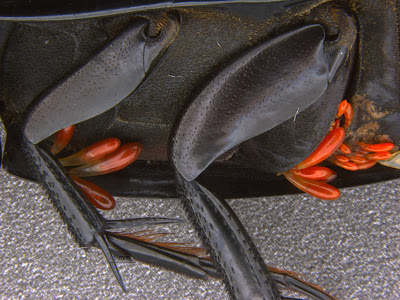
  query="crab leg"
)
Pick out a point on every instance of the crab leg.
point(92, 153)
point(89, 227)
point(84, 222)
point(244, 271)
point(163, 251)
point(116, 161)
point(328, 146)
point(290, 280)
point(62, 139)
point(163, 254)
point(315, 188)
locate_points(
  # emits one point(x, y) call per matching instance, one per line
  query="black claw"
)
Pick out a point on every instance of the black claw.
point(110, 259)
point(101, 83)
point(136, 222)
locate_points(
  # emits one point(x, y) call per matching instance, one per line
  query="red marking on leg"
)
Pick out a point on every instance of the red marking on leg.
point(62, 139)
point(92, 153)
point(116, 161)
point(328, 146)
point(99, 197)
point(314, 173)
point(315, 188)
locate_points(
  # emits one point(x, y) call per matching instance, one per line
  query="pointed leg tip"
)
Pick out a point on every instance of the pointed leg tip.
point(122, 285)
point(117, 275)
point(110, 259)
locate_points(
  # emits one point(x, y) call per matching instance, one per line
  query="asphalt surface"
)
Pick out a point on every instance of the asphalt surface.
point(349, 246)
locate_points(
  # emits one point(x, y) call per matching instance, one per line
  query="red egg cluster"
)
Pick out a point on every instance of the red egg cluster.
point(101, 158)
point(312, 179)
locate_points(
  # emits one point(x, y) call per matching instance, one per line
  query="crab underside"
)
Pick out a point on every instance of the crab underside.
point(221, 97)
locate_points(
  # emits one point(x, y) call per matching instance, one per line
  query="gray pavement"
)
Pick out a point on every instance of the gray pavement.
point(349, 246)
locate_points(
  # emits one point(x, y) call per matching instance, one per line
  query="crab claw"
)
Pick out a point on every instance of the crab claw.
point(103, 82)
point(217, 120)
point(62, 139)
point(116, 161)
point(92, 153)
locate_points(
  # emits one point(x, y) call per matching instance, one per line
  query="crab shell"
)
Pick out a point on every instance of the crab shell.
point(136, 115)
point(149, 115)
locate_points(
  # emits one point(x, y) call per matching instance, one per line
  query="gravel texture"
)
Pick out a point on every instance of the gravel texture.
point(349, 246)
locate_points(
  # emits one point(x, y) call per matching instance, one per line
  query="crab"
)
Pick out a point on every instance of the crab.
point(108, 156)
point(206, 129)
